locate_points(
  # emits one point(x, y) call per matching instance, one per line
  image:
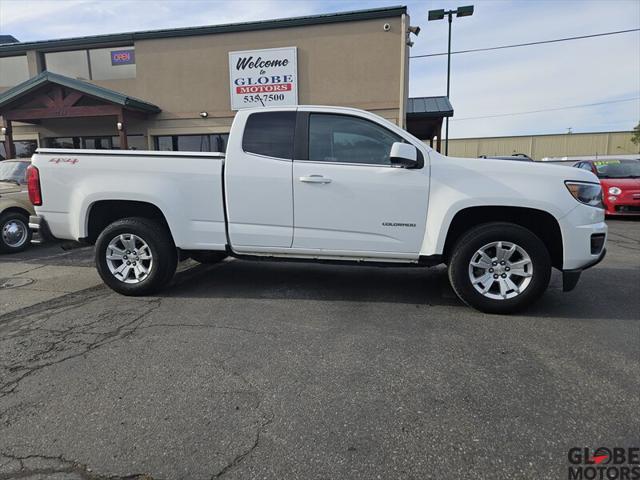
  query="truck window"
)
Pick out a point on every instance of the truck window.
point(346, 139)
point(270, 134)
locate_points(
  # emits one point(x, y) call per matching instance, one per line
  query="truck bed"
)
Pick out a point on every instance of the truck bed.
point(186, 186)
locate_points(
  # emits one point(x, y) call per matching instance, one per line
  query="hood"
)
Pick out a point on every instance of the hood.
point(623, 183)
point(9, 187)
point(498, 167)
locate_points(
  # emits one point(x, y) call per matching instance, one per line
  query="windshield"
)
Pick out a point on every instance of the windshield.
point(617, 168)
point(14, 172)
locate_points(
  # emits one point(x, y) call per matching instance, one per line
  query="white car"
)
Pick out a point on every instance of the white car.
point(330, 184)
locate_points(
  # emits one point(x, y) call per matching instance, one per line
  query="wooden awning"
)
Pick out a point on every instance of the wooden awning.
point(425, 116)
point(50, 95)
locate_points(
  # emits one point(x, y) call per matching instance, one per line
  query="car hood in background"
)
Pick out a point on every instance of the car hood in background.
point(623, 183)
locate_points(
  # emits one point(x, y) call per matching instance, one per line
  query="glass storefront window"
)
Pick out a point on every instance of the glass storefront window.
point(24, 149)
point(13, 70)
point(62, 142)
point(135, 142)
point(74, 64)
point(97, 143)
point(112, 63)
point(216, 142)
point(97, 64)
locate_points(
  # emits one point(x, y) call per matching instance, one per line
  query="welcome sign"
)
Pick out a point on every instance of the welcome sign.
point(262, 78)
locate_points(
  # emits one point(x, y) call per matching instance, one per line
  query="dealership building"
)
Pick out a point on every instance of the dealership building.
point(179, 89)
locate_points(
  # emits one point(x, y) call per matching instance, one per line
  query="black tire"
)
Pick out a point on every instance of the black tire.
point(482, 235)
point(13, 220)
point(163, 252)
point(209, 257)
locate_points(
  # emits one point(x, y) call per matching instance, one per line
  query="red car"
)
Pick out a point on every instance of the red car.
point(620, 180)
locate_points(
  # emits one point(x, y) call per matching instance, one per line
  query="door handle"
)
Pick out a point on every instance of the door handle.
point(315, 179)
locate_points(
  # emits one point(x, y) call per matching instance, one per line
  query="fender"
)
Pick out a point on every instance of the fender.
point(461, 183)
point(84, 197)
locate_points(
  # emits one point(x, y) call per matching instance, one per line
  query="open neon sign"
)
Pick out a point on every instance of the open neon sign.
point(123, 57)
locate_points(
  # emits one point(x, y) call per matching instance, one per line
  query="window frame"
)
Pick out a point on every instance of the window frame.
point(302, 143)
point(87, 52)
point(295, 135)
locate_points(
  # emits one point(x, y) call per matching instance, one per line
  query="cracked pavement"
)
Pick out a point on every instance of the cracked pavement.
point(280, 370)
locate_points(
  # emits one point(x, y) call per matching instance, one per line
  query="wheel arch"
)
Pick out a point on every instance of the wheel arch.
point(101, 213)
point(541, 223)
point(16, 209)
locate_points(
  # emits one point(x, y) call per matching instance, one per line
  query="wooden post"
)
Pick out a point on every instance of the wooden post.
point(123, 131)
point(9, 147)
point(439, 143)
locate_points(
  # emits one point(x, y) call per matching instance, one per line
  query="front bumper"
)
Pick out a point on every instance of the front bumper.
point(40, 229)
point(570, 277)
point(584, 235)
point(625, 204)
point(624, 211)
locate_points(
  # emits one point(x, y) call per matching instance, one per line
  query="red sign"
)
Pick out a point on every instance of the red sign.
point(278, 87)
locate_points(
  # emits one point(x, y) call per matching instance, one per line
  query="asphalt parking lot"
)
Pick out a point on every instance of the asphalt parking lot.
point(284, 370)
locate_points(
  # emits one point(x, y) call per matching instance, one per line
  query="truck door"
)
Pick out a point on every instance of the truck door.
point(347, 196)
point(258, 186)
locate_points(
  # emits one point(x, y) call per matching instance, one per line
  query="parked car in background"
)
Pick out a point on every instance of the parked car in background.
point(521, 157)
point(15, 206)
point(620, 180)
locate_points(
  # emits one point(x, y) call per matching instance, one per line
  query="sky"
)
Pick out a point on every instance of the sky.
point(483, 84)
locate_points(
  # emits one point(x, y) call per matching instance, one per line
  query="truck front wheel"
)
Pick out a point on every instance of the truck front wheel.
point(136, 256)
point(499, 268)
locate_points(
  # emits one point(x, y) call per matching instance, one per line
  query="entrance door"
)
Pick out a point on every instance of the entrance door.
point(348, 197)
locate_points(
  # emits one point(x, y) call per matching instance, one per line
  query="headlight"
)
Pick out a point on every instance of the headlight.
point(614, 191)
point(587, 193)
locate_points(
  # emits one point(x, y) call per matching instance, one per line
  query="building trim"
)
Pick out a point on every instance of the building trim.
point(404, 70)
point(91, 89)
point(543, 135)
point(120, 39)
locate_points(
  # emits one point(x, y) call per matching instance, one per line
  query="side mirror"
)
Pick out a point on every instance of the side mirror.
point(403, 155)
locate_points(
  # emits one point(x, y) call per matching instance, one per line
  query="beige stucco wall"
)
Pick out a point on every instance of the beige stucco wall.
point(356, 64)
point(540, 146)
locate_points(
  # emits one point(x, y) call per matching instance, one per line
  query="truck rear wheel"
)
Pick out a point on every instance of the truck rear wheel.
point(136, 256)
point(499, 268)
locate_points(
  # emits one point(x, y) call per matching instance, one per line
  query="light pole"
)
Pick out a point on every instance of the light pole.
point(439, 15)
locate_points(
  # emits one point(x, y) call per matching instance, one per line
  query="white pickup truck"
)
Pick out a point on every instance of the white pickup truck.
point(324, 184)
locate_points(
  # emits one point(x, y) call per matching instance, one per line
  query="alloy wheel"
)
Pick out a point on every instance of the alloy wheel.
point(500, 270)
point(129, 258)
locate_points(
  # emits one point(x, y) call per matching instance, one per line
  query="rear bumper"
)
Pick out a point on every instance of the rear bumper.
point(40, 229)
